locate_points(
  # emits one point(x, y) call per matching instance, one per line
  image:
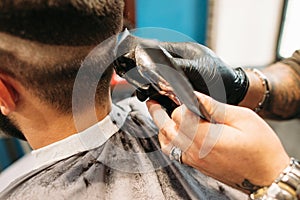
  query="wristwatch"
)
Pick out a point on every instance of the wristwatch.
point(285, 187)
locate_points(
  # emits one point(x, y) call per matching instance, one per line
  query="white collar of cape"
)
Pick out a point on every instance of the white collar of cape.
point(88, 139)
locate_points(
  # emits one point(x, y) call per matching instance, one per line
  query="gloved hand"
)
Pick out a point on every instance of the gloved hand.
point(207, 73)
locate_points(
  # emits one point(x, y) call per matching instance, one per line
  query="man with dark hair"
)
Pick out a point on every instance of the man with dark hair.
point(43, 44)
point(46, 76)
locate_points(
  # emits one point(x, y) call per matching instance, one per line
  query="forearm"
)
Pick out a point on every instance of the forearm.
point(285, 93)
point(284, 100)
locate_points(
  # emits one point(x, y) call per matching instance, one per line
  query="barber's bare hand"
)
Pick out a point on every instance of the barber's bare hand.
point(239, 149)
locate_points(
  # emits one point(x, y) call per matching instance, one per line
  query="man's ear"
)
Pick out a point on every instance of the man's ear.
point(8, 95)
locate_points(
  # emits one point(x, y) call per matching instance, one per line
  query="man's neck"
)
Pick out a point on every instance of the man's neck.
point(44, 126)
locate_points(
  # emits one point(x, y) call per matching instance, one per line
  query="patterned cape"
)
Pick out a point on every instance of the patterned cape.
point(130, 165)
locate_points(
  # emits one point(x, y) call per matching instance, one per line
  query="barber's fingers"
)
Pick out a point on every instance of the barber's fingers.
point(219, 112)
point(222, 113)
point(181, 129)
point(214, 109)
point(165, 143)
point(185, 50)
point(168, 128)
point(159, 115)
point(186, 121)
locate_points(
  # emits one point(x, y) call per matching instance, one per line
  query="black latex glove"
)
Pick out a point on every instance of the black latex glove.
point(207, 73)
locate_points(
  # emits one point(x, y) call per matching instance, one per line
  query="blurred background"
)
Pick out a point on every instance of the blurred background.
point(247, 33)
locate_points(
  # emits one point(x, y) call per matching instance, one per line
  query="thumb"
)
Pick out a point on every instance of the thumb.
point(219, 112)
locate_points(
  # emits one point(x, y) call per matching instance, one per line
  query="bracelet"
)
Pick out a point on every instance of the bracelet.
point(285, 187)
point(266, 95)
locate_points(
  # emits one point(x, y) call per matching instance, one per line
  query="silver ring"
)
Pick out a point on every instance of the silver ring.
point(175, 154)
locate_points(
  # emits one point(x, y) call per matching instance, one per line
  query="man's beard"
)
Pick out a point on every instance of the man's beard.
point(8, 127)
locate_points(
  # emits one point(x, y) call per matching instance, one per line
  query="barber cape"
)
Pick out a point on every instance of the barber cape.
point(118, 158)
